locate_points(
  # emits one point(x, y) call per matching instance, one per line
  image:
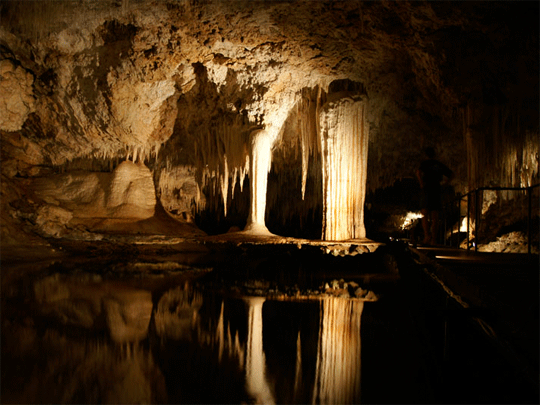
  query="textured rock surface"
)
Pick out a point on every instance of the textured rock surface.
point(127, 193)
point(180, 85)
point(18, 100)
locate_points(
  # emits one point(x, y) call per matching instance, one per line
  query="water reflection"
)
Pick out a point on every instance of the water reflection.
point(256, 383)
point(337, 379)
point(73, 340)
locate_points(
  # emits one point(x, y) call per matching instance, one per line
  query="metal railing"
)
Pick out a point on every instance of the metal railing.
point(473, 200)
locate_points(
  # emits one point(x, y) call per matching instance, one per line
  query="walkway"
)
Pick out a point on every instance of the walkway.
point(501, 291)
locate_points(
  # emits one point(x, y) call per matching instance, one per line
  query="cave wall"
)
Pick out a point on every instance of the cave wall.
point(179, 87)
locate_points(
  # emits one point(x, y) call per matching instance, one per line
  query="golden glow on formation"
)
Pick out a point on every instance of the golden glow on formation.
point(337, 378)
point(338, 362)
point(344, 144)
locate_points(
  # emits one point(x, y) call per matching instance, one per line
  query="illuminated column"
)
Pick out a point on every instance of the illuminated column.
point(256, 383)
point(344, 146)
point(260, 161)
point(337, 377)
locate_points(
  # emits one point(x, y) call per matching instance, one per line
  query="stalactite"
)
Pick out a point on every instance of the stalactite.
point(224, 183)
point(500, 152)
point(306, 110)
point(221, 156)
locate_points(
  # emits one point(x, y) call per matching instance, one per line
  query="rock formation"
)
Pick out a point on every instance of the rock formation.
point(106, 107)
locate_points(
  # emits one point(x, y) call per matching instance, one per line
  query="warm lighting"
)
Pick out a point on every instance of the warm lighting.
point(337, 377)
point(449, 257)
point(344, 144)
point(463, 226)
point(260, 159)
point(256, 383)
point(338, 355)
point(409, 219)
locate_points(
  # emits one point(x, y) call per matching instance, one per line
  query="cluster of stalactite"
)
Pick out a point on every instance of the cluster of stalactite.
point(323, 143)
point(501, 152)
point(294, 195)
point(330, 132)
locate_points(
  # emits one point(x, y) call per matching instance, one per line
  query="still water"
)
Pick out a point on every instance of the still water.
point(157, 334)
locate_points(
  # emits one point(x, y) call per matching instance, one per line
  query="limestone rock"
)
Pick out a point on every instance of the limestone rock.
point(126, 193)
point(52, 220)
point(131, 193)
point(17, 96)
point(181, 85)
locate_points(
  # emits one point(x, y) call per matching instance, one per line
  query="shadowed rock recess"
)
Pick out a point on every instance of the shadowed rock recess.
point(285, 118)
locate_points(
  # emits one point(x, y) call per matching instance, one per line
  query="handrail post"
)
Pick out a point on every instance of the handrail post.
point(468, 221)
point(476, 210)
point(476, 221)
point(445, 213)
point(529, 220)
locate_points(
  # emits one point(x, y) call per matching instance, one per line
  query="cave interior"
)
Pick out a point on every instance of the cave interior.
point(142, 136)
point(297, 119)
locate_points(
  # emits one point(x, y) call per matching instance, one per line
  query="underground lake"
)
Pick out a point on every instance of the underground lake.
point(245, 328)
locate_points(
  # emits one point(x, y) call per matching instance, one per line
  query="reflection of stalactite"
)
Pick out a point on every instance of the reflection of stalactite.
point(298, 371)
point(337, 378)
point(225, 341)
point(256, 382)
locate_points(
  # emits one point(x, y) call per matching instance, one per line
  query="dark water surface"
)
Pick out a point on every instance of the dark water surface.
point(120, 332)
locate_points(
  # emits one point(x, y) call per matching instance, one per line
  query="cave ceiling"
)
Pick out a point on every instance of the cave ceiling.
point(159, 79)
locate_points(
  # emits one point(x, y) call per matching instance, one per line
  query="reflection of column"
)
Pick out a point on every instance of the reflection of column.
point(337, 377)
point(256, 382)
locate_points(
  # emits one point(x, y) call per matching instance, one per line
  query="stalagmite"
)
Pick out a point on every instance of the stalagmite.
point(344, 146)
point(337, 378)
